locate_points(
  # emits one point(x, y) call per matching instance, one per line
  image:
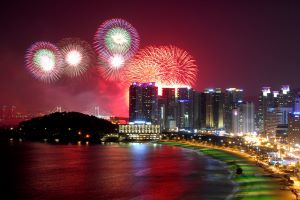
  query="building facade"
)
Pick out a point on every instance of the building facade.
point(214, 107)
point(274, 108)
point(294, 129)
point(143, 102)
point(243, 118)
point(185, 108)
point(232, 99)
point(140, 132)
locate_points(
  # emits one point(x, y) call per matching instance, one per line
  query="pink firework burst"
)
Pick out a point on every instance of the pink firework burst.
point(44, 61)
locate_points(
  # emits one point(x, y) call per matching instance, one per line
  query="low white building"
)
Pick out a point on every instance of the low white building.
point(141, 131)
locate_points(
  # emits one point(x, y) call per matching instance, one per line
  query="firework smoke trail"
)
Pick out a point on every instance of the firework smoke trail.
point(44, 61)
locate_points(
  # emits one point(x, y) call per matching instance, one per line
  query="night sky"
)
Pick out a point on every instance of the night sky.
point(243, 44)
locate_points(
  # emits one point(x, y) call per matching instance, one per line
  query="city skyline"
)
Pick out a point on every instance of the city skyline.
point(150, 99)
point(230, 47)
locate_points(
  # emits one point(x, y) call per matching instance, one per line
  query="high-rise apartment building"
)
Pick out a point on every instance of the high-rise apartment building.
point(232, 99)
point(285, 97)
point(143, 102)
point(274, 107)
point(243, 118)
point(185, 108)
point(214, 107)
point(197, 112)
point(294, 128)
point(168, 108)
point(266, 101)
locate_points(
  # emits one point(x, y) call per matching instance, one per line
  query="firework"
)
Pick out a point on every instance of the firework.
point(77, 56)
point(44, 61)
point(115, 37)
point(168, 66)
point(113, 68)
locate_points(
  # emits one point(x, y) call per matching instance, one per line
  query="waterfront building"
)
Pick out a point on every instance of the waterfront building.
point(274, 107)
point(265, 102)
point(140, 131)
point(271, 123)
point(283, 113)
point(208, 100)
point(236, 121)
point(197, 114)
point(232, 98)
point(247, 115)
point(243, 118)
point(143, 102)
point(214, 107)
point(294, 128)
point(168, 109)
point(282, 133)
point(185, 108)
point(297, 104)
point(285, 97)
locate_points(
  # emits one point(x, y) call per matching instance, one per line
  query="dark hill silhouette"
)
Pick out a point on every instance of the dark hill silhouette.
point(66, 127)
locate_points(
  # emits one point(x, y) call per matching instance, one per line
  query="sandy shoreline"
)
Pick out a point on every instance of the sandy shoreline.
point(254, 183)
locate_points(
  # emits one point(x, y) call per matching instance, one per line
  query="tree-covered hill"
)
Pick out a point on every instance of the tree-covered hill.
point(66, 127)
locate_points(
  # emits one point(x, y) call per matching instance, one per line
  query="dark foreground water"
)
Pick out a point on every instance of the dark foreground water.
point(125, 171)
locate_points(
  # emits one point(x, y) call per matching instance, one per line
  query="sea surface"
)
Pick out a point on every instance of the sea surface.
point(111, 171)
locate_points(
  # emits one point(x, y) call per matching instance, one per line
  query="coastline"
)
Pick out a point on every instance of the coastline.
point(254, 183)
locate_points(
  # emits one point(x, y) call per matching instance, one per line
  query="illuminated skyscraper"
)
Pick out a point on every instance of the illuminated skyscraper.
point(285, 97)
point(247, 111)
point(219, 109)
point(243, 118)
point(197, 112)
point(185, 108)
point(169, 103)
point(143, 103)
point(214, 107)
point(266, 101)
point(297, 104)
point(233, 97)
point(274, 108)
point(208, 100)
point(294, 128)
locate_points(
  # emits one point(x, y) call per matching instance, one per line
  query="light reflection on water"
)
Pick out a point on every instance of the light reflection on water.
point(125, 171)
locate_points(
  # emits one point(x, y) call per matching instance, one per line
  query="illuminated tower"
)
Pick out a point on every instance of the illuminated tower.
point(243, 118)
point(294, 129)
point(247, 115)
point(297, 104)
point(218, 108)
point(274, 108)
point(197, 112)
point(170, 103)
point(143, 102)
point(214, 107)
point(232, 99)
point(185, 108)
point(276, 98)
point(285, 97)
point(209, 97)
point(266, 103)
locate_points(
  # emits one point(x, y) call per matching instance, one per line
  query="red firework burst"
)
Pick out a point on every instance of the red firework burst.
point(168, 66)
